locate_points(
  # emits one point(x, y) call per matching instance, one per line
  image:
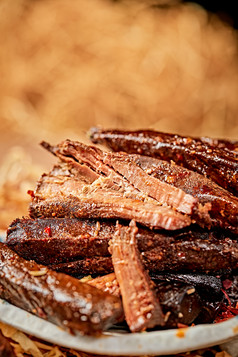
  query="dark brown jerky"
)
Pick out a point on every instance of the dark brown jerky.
point(56, 297)
point(141, 306)
point(119, 168)
point(56, 240)
point(199, 256)
point(62, 194)
point(178, 306)
point(211, 160)
point(85, 266)
point(6, 349)
point(208, 286)
point(65, 242)
point(224, 205)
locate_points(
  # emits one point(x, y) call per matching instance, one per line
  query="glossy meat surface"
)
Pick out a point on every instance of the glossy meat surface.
point(215, 160)
point(224, 205)
point(56, 297)
point(80, 246)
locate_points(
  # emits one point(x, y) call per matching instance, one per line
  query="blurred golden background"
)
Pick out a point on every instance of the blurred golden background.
point(68, 65)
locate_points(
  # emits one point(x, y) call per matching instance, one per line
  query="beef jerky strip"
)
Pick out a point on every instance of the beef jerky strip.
point(56, 297)
point(224, 205)
point(218, 164)
point(65, 195)
point(6, 349)
point(200, 255)
point(92, 156)
point(208, 286)
point(64, 240)
point(112, 164)
point(129, 175)
point(141, 306)
point(177, 304)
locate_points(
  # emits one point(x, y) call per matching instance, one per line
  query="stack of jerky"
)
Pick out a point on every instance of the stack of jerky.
point(155, 223)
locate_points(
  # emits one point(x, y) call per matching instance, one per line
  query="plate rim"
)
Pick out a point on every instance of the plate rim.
point(151, 343)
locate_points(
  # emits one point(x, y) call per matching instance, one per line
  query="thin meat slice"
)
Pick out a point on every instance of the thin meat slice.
point(62, 194)
point(56, 297)
point(224, 205)
point(152, 186)
point(141, 306)
point(200, 155)
point(77, 245)
point(119, 168)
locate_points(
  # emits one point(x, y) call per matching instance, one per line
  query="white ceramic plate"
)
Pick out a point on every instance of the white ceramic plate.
point(114, 343)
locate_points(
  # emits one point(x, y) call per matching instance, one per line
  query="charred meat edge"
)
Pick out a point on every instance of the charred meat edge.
point(56, 297)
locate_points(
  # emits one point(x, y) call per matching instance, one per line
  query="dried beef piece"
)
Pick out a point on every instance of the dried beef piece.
point(63, 194)
point(56, 297)
point(224, 205)
point(211, 160)
point(62, 240)
point(120, 168)
point(141, 305)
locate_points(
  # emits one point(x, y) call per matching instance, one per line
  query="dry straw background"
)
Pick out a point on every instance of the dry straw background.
point(66, 65)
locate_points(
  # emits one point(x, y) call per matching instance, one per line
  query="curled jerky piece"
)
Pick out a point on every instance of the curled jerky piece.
point(141, 305)
point(56, 297)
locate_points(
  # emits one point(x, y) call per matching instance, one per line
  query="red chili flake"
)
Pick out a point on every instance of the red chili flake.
point(226, 296)
point(227, 284)
point(179, 157)
point(47, 230)
point(31, 193)
point(227, 312)
point(223, 316)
